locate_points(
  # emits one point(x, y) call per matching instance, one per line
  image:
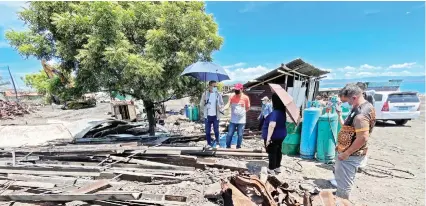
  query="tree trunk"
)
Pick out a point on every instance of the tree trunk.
point(150, 114)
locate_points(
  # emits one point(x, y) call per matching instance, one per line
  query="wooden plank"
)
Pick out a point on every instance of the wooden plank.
point(49, 171)
point(69, 197)
point(137, 175)
point(220, 153)
point(118, 166)
point(55, 180)
point(149, 164)
point(92, 188)
point(28, 184)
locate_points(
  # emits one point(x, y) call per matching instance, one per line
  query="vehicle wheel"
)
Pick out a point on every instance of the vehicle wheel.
point(401, 122)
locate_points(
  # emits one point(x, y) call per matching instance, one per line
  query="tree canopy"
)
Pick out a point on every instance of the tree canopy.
point(137, 48)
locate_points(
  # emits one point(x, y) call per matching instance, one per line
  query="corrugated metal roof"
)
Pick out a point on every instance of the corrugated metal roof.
point(294, 68)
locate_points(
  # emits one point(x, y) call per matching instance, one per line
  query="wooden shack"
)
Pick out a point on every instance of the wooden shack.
point(123, 110)
point(300, 79)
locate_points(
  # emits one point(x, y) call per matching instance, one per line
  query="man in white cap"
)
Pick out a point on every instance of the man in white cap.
point(266, 110)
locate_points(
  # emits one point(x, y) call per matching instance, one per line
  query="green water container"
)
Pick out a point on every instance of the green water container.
point(327, 137)
point(190, 113)
point(344, 116)
point(194, 113)
point(291, 143)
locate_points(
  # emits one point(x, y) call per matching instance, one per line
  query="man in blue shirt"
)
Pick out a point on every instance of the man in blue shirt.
point(266, 110)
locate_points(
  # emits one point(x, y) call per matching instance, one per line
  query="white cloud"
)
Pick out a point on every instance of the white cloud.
point(346, 68)
point(368, 67)
point(402, 66)
point(240, 64)
point(242, 75)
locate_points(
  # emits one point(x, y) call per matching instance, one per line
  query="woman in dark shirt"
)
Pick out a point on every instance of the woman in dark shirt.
point(274, 132)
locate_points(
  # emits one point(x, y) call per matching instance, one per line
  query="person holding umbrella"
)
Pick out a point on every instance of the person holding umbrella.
point(274, 132)
point(211, 101)
point(240, 105)
point(211, 104)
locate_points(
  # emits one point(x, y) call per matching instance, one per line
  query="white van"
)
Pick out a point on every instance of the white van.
point(396, 106)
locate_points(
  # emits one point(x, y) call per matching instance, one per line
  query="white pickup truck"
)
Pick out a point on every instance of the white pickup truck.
point(397, 106)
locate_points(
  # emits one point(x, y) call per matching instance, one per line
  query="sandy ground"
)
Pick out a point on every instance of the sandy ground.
point(403, 146)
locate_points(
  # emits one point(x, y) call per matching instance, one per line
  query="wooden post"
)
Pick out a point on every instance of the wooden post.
point(13, 158)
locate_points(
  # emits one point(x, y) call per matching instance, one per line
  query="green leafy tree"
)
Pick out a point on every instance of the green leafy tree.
point(135, 48)
point(38, 81)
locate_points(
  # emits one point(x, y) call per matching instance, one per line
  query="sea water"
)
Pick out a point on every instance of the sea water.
point(413, 85)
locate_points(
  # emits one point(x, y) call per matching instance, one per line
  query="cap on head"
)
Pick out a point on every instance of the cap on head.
point(265, 98)
point(238, 86)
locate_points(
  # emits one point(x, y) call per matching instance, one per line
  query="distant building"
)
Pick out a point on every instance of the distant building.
point(22, 95)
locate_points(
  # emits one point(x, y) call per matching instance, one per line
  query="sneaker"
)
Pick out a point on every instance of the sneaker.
point(271, 172)
point(333, 182)
point(277, 170)
point(207, 146)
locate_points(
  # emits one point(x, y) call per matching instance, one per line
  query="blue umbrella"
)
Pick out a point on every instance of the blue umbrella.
point(206, 71)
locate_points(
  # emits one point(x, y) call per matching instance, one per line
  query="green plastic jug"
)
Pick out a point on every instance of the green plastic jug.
point(291, 143)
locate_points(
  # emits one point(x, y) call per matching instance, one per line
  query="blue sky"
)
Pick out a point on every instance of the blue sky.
point(350, 39)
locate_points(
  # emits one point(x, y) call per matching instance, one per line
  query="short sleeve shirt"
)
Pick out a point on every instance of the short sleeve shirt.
point(280, 130)
point(239, 105)
point(360, 119)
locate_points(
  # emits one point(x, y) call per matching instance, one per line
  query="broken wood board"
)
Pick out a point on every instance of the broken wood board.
point(180, 160)
point(27, 184)
point(136, 176)
point(220, 153)
point(154, 198)
point(150, 164)
point(69, 197)
point(118, 166)
point(49, 171)
point(92, 187)
point(51, 179)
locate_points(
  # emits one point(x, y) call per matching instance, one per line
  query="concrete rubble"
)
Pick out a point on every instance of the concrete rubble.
point(10, 109)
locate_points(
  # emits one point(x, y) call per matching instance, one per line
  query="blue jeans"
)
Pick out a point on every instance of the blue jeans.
point(231, 131)
point(208, 126)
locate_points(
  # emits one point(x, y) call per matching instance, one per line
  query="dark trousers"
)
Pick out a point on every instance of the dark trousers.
point(261, 120)
point(209, 121)
point(274, 153)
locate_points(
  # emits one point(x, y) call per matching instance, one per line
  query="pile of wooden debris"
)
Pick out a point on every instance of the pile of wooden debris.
point(131, 174)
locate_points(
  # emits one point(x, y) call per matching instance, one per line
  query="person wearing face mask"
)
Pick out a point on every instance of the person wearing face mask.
point(352, 139)
point(266, 110)
point(240, 105)
point(211, 104)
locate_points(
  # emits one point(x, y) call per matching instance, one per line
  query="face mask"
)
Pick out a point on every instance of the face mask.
point(237, 92)
point(214, 89)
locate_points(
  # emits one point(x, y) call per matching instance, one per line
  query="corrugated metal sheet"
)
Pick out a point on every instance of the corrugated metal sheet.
point(297, 65)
